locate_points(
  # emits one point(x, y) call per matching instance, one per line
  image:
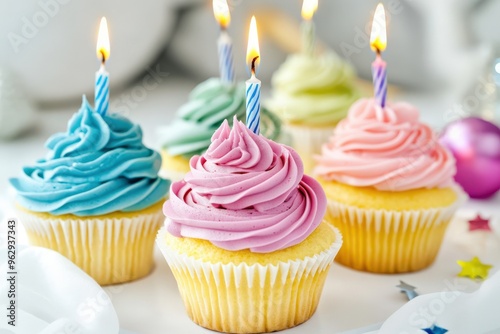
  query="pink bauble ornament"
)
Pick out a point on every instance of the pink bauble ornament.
point(475, 143)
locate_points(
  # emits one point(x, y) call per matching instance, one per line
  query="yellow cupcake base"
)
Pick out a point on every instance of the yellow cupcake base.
point(371, 198)
point(388, 239)
point(264, 295)
point(173, 167)
point(112, 248)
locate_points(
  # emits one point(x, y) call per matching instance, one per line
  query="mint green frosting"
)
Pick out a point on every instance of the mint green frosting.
point(98, 166)
point(313, 90)
point(209, 104)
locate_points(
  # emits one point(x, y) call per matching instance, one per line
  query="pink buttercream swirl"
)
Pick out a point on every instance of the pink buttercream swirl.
point(386, 148)
point(245, 192)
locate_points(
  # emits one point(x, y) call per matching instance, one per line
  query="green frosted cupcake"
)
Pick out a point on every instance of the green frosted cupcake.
point(311, 94)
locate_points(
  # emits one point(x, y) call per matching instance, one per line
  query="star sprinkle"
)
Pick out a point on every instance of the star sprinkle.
point(407, 289)
point(434, 329)
point(479, 224)
point(474, 269)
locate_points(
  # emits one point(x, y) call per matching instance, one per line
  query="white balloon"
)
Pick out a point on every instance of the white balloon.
point(50, 44)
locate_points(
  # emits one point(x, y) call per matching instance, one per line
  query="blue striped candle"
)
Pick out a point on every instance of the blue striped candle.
point(101, 96)
point(102, 91)
point(226, 66)
point(379, 74)
point(253, 84)
point(253, 104)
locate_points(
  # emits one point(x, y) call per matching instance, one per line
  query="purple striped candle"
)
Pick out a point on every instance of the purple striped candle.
point(378, 43)
point(379, 73)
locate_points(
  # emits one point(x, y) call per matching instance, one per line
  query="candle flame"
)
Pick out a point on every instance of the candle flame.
point(309, 7)
point(102, 47)
point(253, 52)
point(378, 36)
point(221, 13)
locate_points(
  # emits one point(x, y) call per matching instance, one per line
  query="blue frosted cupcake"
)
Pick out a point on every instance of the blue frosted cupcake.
point(96, 198)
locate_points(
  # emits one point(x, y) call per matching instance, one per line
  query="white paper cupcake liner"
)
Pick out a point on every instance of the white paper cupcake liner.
point(111, 250)
point(307, 141)
point(241, 298)
point(385, 241)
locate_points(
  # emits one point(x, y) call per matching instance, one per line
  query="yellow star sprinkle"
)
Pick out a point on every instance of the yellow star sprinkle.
point(474, 269)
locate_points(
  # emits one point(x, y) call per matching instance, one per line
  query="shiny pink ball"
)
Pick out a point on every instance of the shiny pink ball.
point(475, 143)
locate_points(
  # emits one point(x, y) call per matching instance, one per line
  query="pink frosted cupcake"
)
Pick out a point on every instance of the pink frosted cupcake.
point(245, 236)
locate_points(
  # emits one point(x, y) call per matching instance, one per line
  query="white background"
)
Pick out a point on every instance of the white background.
point(350, 299)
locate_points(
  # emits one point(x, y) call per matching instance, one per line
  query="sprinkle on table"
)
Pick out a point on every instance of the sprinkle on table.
point(435, 329)
point(407, 289)
point(474, 269)
point(479, 224)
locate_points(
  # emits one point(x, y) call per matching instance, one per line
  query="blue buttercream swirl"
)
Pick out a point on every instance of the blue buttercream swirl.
point(98, 166)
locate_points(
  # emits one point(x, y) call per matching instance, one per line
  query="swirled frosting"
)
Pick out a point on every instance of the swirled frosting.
point(210, 103)
point(99, 165)
point(245, 192)
point(314, 91)
point(386, 148)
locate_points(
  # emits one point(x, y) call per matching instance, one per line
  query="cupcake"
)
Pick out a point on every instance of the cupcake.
point(210, 103)
point(245, 235)
point(311, 94)
point(96, 198)
point(390, 188)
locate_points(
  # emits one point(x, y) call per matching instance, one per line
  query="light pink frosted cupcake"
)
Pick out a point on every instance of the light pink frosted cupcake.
point(390, 188)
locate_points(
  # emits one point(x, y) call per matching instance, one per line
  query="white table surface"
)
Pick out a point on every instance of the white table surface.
point(350, 299)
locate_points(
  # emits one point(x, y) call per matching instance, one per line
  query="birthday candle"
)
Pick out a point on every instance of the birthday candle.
point(378, 43)
point(253, 84)
point(224, 43)
point(379, 74)
point(101, 76)
point(308, 34)
point(253, 104)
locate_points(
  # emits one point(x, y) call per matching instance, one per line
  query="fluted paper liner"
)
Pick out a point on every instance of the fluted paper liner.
point(307, 141)
point(110, 250)
point(384, 241)
point(249, 298)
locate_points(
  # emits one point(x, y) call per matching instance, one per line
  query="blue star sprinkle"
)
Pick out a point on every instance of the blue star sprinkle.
point(434, 329)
